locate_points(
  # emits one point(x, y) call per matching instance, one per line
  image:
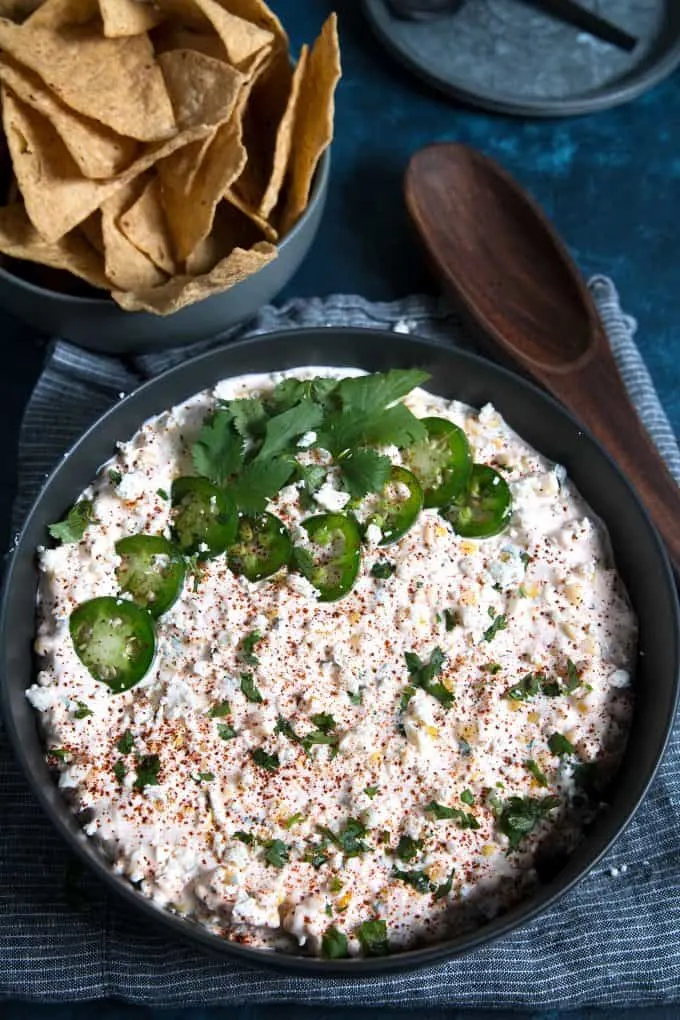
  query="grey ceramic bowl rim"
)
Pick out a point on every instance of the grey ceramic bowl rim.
point(438, 952)
point(318, 188)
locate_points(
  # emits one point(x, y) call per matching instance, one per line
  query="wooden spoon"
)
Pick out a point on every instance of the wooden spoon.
point(515, 281)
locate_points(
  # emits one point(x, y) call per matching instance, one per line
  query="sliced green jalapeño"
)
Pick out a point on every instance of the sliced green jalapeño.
point(333, 566)
point(442, 463)
point(261, 547)
point(204, 520)
point(114, 639)
point(398, 505)
point(483, 508)
point(151, 571)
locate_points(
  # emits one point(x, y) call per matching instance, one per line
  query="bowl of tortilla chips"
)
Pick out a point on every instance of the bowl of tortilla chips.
point(164, 164)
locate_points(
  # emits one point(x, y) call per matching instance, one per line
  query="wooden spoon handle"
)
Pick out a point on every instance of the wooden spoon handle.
point(595, 392)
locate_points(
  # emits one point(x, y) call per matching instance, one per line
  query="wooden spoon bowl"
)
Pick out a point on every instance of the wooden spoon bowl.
point(517, 285)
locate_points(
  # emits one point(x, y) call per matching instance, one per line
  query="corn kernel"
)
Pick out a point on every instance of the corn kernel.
point(533, 717)
point(574, 593)
point(570, 630)
point(468, 548)
point(431, 731)
point(488, 850)
point(344, 901)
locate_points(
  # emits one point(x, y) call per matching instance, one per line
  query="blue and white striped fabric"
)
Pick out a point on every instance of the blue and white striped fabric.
point(611, 941)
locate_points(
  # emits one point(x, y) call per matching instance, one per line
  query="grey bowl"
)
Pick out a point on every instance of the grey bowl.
point(100, 325)
point(640, 557)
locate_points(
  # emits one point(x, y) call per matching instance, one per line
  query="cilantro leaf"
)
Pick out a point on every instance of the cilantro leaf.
point(521, 815)
point(498, 623)
point(119, 770)
point(220, 709)
point(316, 855)
point(324, 722)
point(383, 569)
point(293, 820)
point(226, 731)
point(249, 689)
point(559, 745)
point(248, 416)
point(283, 428)
point(286, 728)
point(370, 791)
point(126, 742)
point(115, 477)
point(423, 674)
point(364, 471)
point(532, 766)
point(218, 452)
point(350, 837)
point(356, 697)
point(463, 819)
point(206, 777)
point(82, 711)
point(347, 430)
point(491, 667)
point(418, 880)
point(259, 481)
point(148, 768)
point(244, 837)
point(72, 528)
point(276, 852)
point(366, 394)
point(444, 889)
point(312, 476)
point(407, 848)
point(334, 944)
point(450, 619)
point(467, 797)
point(406, 696)
point(573, 678)
point(269, 762)
point(373, 938)
point(247, 652)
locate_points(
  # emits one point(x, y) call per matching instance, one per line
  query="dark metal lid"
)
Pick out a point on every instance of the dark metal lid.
point(510, 58)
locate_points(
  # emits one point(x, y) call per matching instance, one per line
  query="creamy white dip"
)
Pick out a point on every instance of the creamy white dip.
point(550, 577)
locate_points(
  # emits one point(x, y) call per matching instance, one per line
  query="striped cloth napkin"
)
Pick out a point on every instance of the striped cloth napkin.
point(613, 940)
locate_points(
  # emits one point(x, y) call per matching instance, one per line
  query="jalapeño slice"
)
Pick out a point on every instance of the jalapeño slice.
point(442, 462)
point(332, 568)
point(398, 506)
point(205, 518)
point(151, 571)
point(261, 547)
point(483, 508)
point(114, 639)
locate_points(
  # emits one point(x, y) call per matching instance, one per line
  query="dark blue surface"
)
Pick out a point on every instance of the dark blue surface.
point(611, 183)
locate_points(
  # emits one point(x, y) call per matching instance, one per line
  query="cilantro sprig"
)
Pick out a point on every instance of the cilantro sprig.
point(423, 674)
point(73, 527)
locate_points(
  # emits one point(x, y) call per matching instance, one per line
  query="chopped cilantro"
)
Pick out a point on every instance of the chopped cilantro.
point(249, 689)
point(551, 689)
point(335, 885)
point(220, 709)
point(370, 791)
point(72, 528)
point(406, 696)
point(423, 674)
point(247, 652)
point(491, 667)
point(148, 768)
point(115, 477)
point(244, 837)
point(443, 890)
point(286, 728)
point(531, 685)
point(531, 766)
point(408, 848)
point(522, 592)
point(383, 569)
point(226, 731)
point(356, 697)
point(467, 797)
point(334, 944)
point(276, 852)
point(324, 722)
point(525, 558)
point(316, 854)
point(328, 910)
point(450, 619)
point(119, 770)
point(497, 623)
point(559, 745)
point(82, 711)
point(162, 493)
point(126, 742)
point(269, 762)
point(573, 678)
point(521, 815)
point(206, 777)
point(418, 880)
point(293, 820)
point(373, 938)
point(350, 838)
point(463, 819)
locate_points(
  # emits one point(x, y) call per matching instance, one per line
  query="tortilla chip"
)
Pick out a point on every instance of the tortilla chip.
point(55, 13)
point(173, 36)
point(20, 240)
point(97, 151)
point(18, 10)
point(128, 17)
point(114, 81)
point(190, 213)
point(202, 90)
point(56, 194)
point(313, 130)
point(258, 13)
point(91, 228)
point(284, 140)
point(125, 265)
point(184, 290)
point(145, 226)
point(242, 40)
point(269, 232)
point(231, 229)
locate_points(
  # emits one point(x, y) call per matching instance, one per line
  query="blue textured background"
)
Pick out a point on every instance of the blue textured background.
point(610, 182)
